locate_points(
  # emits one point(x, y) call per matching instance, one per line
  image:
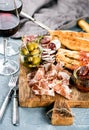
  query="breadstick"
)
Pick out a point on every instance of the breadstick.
point(84, 25)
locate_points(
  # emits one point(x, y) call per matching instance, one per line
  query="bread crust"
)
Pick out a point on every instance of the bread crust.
point(72, 40)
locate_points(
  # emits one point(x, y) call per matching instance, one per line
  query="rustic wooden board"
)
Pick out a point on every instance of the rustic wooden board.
point(28, 99)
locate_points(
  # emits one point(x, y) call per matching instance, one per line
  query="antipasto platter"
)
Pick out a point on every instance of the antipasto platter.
point(54, 69)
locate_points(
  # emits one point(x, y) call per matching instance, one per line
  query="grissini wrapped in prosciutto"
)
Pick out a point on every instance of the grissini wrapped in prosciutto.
point(72, 40)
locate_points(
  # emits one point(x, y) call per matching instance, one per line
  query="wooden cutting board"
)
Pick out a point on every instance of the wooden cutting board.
point(28, 99)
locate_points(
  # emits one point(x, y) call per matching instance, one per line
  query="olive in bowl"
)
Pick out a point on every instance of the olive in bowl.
point(81, 78)
point(30, 54)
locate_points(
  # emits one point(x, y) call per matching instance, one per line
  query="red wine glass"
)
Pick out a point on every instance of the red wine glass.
point(8, 6)
point(9, 24)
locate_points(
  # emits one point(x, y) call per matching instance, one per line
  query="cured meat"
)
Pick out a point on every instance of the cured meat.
point(78, 41)
point(50, 80)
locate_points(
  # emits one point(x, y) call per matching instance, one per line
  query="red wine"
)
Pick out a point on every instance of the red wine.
point(9, 24)
point(9, 6)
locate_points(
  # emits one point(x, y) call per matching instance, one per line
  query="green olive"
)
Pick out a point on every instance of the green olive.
point(31, 65)
point(29, 59)
point(36, 60)
point(24, 51)
point(30, 46)
point(35, 45)
point(35, 52)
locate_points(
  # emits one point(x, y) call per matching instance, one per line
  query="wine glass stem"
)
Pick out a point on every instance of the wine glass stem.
point(5, 51)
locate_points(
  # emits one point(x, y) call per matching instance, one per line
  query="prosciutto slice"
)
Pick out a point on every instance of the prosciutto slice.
point(50, 79)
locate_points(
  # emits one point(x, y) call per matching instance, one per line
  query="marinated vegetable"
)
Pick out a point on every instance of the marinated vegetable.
point(35, 52)
point(24, 51)
point(31, 46)
point(31, 53)
point(81, 78)
point(36, 60)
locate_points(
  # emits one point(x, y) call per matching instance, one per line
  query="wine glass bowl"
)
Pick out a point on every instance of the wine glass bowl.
point(9, 6)
point(9, 25)
point(12, 7)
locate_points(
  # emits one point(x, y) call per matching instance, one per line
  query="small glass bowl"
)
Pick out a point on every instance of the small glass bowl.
point(81, 78)
point(30, 57)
